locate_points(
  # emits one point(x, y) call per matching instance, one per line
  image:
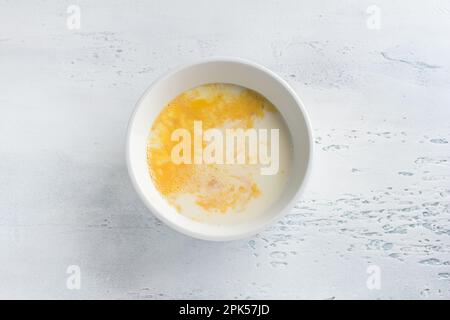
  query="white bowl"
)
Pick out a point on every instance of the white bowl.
point(218, 70)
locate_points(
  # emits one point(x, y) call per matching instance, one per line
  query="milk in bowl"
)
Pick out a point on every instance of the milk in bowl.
point(219, 154)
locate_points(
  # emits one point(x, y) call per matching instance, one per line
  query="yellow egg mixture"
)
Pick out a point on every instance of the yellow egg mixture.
point(204, 191)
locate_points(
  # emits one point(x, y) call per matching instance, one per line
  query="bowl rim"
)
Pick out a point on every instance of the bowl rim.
point(180, 228)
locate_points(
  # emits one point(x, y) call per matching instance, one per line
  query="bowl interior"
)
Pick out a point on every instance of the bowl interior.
point(217, 71)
